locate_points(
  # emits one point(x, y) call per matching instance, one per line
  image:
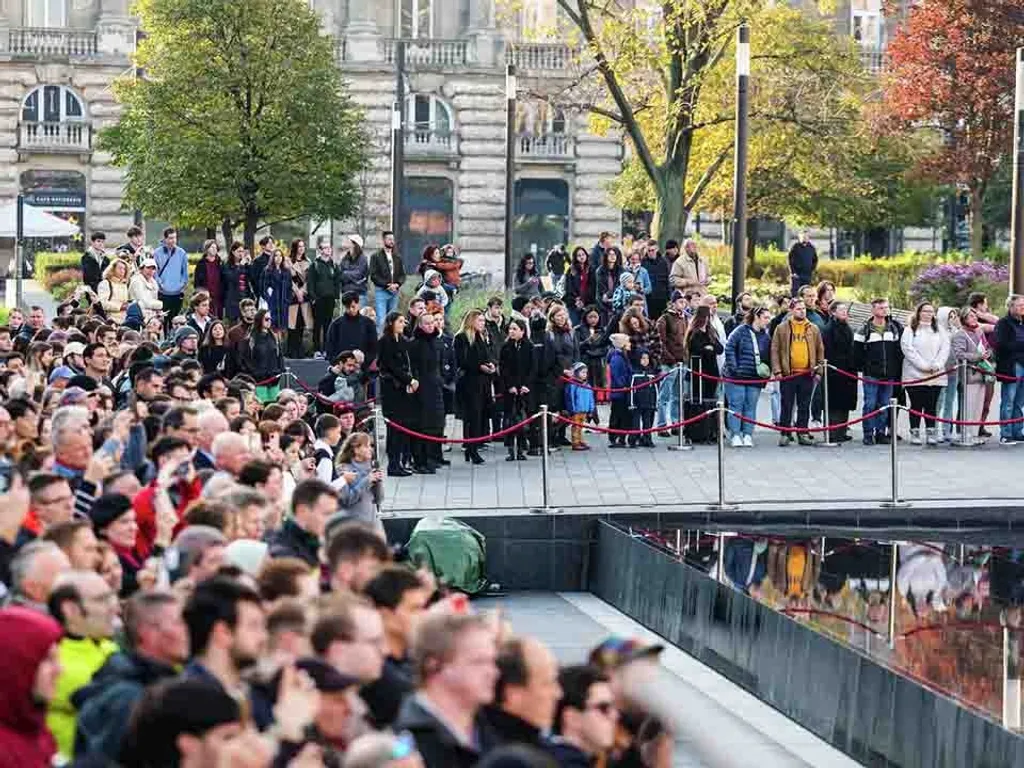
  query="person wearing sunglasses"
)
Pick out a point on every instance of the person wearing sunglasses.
point(586, 718)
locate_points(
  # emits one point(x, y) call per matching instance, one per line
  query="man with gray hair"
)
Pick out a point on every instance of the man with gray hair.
point(231, 452)
point(34, 571)
point(211, 423)
point(71, 436)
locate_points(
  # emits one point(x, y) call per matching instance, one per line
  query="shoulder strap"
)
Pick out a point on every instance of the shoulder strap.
point(757, 351)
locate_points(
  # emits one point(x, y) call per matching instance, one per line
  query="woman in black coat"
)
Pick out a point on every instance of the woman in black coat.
point(560, 353)
point(842, 390)
point(425, 351)
point(397, 389)
point(476, 374)
point(592, 340)
point(702, 350)
point(261, 357)
point(517, 364)
point(237, 286)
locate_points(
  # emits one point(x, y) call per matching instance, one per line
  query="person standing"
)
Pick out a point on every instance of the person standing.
point(473, 389)
point(797, 349)
point(95, 261)
point(596, 259)
point(171, 274)
point(397, 389)
point(746, 350)
point(672, 327)
point(261, 357)
point(324, 282)
point(925, 354)
point(517, 368)
point(561, 353)
point(690, 272)
point(877, 356)
point(970, 344)
point(277, 289)
point(143, 290)
point(355, 268)
point(658, 269)
point(579, 285)
point(300, 310)
point(261, 262)
point(842, 390)
point(387, 273)
point(527, 279)
point(113, 292)
point(237, 287)
point(1009, 345)
point(425, 350)
point(209, 277)
point(803, 260)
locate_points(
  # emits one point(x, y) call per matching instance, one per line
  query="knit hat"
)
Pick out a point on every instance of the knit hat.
point(577, 367)
point(671, 244)
point(626, 277)
point(430, 274)
point(183, 333)
point(60, 372)
point(619, 340)
point(677, 295)
point(108, 508)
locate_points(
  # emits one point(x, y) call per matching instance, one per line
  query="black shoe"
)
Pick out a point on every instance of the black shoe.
point(442, 462)
point(882, 439)
point(520, 456)
point(398, 472)
point(616, 445)
point(476, 458)
point(511, 457)
point(869, 439)
point(424, 470)
point(982, 432)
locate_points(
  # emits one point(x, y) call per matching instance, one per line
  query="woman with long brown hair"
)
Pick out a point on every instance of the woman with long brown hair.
point(473, 389)
point(300, 310)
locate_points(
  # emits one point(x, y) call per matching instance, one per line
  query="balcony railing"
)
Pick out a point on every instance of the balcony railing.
point(28, 41)
point(55, 137)
point(539, 57)
point(873, 60)
point(429, 53)
point(427, 141)
point(548, 146)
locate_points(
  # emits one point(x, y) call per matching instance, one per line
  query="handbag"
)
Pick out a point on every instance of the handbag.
point(763, 370)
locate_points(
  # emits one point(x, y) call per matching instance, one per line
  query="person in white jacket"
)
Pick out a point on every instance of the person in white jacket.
point(925, 355)
point(112, 291)
point(144, 290)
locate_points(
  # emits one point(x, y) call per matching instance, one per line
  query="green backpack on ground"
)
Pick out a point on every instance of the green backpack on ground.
point(455, 553)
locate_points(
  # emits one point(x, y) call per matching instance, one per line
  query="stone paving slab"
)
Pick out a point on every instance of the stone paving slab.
point(630, 479)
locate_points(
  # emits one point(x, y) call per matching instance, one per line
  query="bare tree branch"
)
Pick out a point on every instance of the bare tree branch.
point(705, 179)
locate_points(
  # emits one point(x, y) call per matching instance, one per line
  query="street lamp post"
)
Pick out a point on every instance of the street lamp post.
point(398, 141)
point(1017, 216)
point(510, 167)
point(739, 202)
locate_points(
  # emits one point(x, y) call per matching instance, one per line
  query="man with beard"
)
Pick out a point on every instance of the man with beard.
point(237, 334)
point(227, 633)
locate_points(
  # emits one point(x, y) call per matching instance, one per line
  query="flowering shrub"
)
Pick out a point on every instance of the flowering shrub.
point(61, 283)
point(950, 284)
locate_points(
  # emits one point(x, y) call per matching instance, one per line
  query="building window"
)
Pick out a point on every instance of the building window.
point(866, 23)
point(417, 19)
point(429, 116)
point(46, 13)
point(52, 104)
point(539, 118)
point(541, 219)
point(429, 205)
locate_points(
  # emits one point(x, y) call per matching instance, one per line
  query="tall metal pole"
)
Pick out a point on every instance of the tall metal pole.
point(739, 201)
point(1017, 215)
point(893, 598)
point(398, 142)
point(19, 251)
point(510, 166)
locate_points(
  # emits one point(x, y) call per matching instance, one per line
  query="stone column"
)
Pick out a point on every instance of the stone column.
point(362, 35)
point(482, 31)
point(115, 29)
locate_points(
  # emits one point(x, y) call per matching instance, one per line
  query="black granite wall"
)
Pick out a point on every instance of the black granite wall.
point(873, 714)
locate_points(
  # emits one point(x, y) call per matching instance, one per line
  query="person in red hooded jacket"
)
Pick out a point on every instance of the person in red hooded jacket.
point(29, 668)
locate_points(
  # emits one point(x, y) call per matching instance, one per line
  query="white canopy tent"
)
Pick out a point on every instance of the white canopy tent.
point(38, 223)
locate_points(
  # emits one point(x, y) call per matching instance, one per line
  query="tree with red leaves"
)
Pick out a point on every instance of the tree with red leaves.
point(951, 75)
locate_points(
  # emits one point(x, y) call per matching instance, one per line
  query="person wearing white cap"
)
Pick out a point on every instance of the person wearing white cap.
point(355, 268)
point(144, 291)
point(73, 356)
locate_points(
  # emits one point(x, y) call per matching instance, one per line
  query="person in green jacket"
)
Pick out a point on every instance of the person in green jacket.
point(86, 607)
point(323, 279)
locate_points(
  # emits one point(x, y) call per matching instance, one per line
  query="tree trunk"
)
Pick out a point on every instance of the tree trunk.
point(670, 214)
point(229, 236)
point(977, 222)
point(252, 223)
point(211, 233)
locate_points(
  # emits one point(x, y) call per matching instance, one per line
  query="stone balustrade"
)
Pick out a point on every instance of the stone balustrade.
point(539, 57)
point(546, 146)
point(429, 141)
point(67, 136)
point(37, 41)
point(428, 53)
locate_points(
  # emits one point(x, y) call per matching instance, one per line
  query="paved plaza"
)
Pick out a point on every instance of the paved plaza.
point(623, 480)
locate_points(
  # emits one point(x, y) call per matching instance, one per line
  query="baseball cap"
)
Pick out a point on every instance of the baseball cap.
point(74, 348)
point(147, 263)
point(617, 651)
point(60, 372)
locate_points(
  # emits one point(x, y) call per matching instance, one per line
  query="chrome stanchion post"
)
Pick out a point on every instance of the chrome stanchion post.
point(378, 441)
point(721, 558)
point(682, 444)
point(721, 458)
point(826, 420)
point(965, 436)
point(545, 507)
point(893, 593)
point(894, 413)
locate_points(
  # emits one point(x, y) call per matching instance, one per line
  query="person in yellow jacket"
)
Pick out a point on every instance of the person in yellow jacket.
point(797, 350)
point(86, 607)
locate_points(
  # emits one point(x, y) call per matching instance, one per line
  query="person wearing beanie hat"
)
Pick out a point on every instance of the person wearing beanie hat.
point(620, 373)
point(186, 343)
point(432, 289)
point(60, 376)
point(580, 404)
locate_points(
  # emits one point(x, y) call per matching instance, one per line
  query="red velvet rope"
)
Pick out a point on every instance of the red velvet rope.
point(960, 423)
point(806, 430)
point(651, 431)
point(880, 382)
point(727, 380)
point(1000, 376)
point(649, 383)
point(481, 439)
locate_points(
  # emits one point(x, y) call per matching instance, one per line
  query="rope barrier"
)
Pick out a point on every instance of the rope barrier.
point(806, 430)
point(268, 382)
point(889, 383)
point(651, 431)
point(459, 440)
point(727, 380)
point(611, 390)
point(961, 423)
point(999, 376)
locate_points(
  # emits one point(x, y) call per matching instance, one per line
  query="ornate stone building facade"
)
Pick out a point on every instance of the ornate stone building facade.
point(58, 59)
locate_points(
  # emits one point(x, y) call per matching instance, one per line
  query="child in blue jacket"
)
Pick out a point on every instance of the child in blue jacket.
point(580, 404)
point(620, 374)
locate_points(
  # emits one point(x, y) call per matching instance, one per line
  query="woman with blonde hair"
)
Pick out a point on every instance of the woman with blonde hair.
point(113, 291)
point(361, 497)
point(473, 390)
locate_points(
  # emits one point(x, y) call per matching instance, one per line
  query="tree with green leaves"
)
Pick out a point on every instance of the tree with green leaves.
point(240, 117)
point(665, 76)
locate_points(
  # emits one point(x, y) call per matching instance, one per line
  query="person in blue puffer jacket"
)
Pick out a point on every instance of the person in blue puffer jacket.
point(621, 372)
point(580, 404)
point(747, 346)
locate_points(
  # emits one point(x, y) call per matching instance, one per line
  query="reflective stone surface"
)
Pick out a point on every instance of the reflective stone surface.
point(810, 633)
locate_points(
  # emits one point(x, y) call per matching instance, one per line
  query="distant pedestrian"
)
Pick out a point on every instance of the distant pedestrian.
point(803, 260)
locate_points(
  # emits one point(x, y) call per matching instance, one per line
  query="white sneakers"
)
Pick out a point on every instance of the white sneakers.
point(737, 441)
point(742, 441)
point(748, 441)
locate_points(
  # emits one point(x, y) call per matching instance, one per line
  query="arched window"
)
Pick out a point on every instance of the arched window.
point(417, 19)
point(52, 104)
point(46, 13)
point(429, 118)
